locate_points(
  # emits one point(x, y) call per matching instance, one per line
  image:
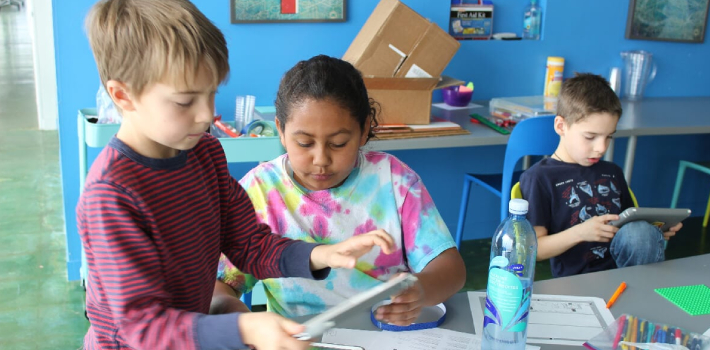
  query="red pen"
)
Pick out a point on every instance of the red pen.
point(677, 336)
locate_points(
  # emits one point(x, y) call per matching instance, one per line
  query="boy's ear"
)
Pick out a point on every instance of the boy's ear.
point(560, 125)
point(120, 94)
point(281, 134)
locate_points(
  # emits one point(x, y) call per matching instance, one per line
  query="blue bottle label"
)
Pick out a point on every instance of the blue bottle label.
point(507, 300)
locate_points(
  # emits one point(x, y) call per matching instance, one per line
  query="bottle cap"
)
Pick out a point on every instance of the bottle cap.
point(518, 206)
point(555, 59)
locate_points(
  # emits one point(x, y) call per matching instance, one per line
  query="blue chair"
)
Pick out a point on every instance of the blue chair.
point(703, 167)
point(531, 137)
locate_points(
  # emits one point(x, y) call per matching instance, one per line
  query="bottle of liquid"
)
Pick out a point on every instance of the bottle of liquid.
point(531, 21)
point(553, 81)
point(510, 277)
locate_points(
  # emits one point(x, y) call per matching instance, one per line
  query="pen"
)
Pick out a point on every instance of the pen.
point(649, 335)
point(618, 292)
point(627, 332)
point(677, 336)
point(620, 329)
point(693, 343)
point(664, 335)
point(697, 343)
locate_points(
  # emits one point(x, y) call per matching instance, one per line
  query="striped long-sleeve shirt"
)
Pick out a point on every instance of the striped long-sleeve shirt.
point(153, 230)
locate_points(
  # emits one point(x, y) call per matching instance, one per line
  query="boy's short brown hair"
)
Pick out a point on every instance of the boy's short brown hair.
point(141, 42)
point(586, 94)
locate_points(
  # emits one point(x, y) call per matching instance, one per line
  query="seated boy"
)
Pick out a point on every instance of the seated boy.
point(574, 194)
point(159, 205)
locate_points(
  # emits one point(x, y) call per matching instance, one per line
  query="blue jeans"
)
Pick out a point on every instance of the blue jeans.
point(637, 243)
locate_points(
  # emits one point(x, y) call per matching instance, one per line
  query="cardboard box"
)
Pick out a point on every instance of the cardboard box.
point(401, 56)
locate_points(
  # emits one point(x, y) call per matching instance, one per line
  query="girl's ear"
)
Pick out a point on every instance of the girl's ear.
point(121, 96)
point(560, 125)
point(280, 131)
point(366, 131)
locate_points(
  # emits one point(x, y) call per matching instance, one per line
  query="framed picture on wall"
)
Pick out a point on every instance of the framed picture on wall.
point(667, 20)
point(270, 11)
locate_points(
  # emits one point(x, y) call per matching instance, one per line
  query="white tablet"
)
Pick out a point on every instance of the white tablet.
point(321, 323)
point(663, 218)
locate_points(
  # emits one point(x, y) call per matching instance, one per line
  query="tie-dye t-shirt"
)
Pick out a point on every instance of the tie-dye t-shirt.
point(380, 193)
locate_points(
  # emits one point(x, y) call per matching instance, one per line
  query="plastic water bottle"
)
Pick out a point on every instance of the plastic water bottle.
point(531, 21)
point(510, 276)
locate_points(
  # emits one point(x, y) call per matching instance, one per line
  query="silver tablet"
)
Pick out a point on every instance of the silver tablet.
point(321, 323)
point(663, 218)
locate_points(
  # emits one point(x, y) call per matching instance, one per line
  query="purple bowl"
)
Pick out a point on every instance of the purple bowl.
point(453, 97)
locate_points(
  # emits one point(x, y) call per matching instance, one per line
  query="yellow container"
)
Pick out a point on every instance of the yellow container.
point(553, 76)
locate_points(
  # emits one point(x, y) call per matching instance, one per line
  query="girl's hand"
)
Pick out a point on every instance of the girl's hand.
point(672, 231)
point(269, 331)
point(346, 253)
point(405, 307)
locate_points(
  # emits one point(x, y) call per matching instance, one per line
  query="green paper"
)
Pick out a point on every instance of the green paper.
point(694, 300)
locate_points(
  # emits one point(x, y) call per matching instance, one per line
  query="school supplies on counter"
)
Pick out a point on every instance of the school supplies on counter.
point(404, 131)
point(503, 129)
point(631, 332)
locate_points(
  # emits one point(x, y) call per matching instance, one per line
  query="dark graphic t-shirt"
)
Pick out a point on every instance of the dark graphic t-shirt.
point(562, 195)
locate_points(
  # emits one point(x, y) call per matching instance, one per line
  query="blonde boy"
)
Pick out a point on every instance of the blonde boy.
point(574, 193)
point(159, 205)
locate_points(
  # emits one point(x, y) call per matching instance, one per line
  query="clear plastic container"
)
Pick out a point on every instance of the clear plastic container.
point(520, 107)
point(631, 332)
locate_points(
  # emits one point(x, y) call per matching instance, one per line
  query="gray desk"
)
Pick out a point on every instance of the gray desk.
point(639, 299)
point(650, 116)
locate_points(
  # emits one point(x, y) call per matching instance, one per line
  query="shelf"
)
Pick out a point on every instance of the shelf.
point(237, 150)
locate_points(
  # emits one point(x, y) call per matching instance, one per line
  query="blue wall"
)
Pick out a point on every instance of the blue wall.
point(589, 35)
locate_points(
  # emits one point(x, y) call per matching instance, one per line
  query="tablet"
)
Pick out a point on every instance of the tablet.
point(663, 218)
point(321, 323)
point(325, 346)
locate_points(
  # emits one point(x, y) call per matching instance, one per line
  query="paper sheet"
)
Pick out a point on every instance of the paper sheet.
point(442, 105)
point(707, 332)
point(427, 339)
point(555, 319)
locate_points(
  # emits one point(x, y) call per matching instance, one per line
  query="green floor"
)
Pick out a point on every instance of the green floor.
point(39, 309)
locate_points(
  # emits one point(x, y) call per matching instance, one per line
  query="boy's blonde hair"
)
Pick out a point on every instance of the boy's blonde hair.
point(586, 94)
point(141, 42)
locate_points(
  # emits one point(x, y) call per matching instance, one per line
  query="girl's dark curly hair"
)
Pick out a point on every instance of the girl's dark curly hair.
point(323, 77)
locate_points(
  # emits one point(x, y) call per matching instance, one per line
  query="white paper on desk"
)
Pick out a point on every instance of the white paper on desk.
point(426, 339)
point(707, 332)
point(443, 105)
point(555, 319)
